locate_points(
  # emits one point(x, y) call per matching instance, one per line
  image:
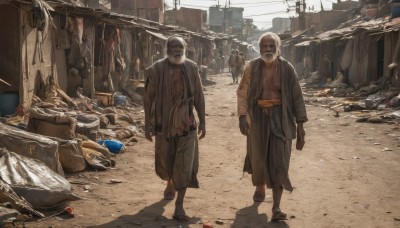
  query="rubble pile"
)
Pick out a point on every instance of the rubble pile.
point(61, 135)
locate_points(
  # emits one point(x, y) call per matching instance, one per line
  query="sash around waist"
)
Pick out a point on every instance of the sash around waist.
point(268, 103)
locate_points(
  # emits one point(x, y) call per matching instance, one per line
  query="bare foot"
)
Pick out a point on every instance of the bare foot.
point(277, 215)
point(180, 213)
point(169, 192)
point(259, 194)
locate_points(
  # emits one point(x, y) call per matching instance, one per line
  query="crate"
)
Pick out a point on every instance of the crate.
point(106, 99)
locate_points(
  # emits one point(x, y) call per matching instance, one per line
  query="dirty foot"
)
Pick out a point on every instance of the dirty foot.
point(169, 192)
point(259, 194)
point(180, 213)
point(278, 215)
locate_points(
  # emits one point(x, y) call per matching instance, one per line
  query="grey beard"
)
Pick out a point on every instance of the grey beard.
point(269, 58)
point(177, 60)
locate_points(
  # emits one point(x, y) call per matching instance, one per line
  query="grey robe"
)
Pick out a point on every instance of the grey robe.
point(176, 157)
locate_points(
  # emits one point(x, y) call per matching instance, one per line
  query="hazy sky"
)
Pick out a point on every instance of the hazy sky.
point(262, 11)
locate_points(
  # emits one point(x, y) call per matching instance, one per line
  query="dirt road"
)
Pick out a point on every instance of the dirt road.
point(344, 177)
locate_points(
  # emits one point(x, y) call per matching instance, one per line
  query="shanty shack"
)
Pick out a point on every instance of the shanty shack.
point(41, 44)
point(25, 51)
point(362, 53)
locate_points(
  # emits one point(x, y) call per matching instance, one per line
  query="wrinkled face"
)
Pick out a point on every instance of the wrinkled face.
point(176, 50)
point(268, 49)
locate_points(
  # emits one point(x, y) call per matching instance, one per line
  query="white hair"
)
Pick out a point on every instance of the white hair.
point(273, 36)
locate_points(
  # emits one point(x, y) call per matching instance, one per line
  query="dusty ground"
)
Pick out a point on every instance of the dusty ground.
point(342, 178)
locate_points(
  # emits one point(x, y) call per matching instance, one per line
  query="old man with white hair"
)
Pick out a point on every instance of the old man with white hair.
point(173, 88)
point(271, 113)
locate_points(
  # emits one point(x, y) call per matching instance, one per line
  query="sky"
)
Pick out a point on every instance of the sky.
point(262, 11)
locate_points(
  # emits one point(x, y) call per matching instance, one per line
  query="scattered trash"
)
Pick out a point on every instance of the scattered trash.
point(120, 100)
point(96, 159)
point(114, 146)
point(387, 149)
point(115, 181)
point(87, 187)
point(375, 119)
point(219, 222)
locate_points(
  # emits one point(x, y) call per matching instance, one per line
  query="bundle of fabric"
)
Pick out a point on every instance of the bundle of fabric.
point(32, 180)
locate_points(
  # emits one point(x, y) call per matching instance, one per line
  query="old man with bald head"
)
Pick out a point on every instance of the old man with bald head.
point(172, 90)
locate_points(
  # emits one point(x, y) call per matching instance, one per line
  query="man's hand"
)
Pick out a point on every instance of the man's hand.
point(201, 131)
point(300, 136)
point(149, 132)
point(244, 127)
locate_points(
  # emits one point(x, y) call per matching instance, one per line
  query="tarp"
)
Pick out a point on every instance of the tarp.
point(34, 181)
point(31, 145)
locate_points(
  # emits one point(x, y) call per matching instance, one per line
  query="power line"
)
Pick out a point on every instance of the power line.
point(262, 5)
point(203, 7)
point(248, 3)
point(264, 14)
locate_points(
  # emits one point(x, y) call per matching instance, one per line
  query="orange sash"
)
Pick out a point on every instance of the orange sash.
point(268, 103)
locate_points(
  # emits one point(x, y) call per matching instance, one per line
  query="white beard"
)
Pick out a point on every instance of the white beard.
point(269, 57)
point(176, 60)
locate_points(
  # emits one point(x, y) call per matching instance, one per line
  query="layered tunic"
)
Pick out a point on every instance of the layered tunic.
point(271, 129)
point(171, 114)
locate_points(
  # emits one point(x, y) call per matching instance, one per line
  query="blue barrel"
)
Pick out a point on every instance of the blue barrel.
point(395, 9)
point(8, 103)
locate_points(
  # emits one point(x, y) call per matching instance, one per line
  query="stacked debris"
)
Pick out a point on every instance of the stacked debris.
point(62, 134)
point(369, 104)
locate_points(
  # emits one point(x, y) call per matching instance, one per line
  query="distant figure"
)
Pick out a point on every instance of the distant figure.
point(222, 63)
point(239, 64)
point(217, 66)
point(232, 65)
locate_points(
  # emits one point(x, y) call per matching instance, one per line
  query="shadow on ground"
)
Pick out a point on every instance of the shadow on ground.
point(248, 217)
point(150, 216)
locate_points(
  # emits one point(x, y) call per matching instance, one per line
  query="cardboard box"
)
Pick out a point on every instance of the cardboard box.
point(106, 99)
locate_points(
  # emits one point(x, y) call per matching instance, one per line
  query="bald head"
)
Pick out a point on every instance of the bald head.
point(176, 47)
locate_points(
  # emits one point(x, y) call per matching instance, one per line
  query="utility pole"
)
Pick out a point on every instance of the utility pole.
point(176, 4)
point(301, 10)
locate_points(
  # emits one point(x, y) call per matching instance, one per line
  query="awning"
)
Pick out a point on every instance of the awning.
point(158, 35)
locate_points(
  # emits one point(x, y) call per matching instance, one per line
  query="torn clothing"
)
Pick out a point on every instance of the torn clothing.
point(272, 123)
point(268, 154)
point(293, 106)
point(173, 120)
point(177, 158)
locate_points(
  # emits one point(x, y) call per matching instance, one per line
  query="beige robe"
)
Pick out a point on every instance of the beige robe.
point(177, 154)
point(271, 132)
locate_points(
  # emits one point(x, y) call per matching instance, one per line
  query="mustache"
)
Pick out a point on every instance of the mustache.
point(269, 56)
point(177, 58)
point(269, 53)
